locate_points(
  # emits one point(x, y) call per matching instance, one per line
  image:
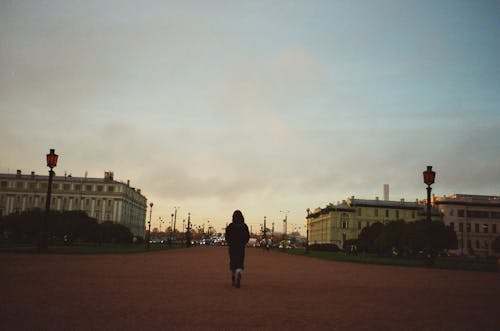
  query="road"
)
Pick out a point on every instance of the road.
point(190, 289)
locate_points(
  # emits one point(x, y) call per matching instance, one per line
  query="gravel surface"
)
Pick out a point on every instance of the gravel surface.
point(190, 289)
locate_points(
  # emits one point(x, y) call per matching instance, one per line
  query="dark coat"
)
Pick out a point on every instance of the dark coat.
point(237, 236)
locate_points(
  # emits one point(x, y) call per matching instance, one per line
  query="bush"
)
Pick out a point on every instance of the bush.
point(324, 247)
point(71, 226)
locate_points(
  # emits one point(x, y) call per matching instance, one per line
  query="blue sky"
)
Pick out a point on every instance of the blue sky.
point(255, 105)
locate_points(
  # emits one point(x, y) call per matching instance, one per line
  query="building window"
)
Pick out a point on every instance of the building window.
point(3, 184)
point(77, 187)
point(359, 211)
point(66, 187)
point(20, 184)
point(32, 185)
point(461, 213)
point(478, 245)
point(397, 214)
point(88, 188)
point(485, 228)
point(99, 188)
point(111, 188)
point(478, 214)
point(387, 213)
point(476, 227)
point(359, 225)
point(452, 226)
point(452, 212)
point(494, 228)
point(468, 227)
point(413, 214)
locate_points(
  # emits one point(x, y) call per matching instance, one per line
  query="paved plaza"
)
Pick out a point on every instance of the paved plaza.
point(190, 289)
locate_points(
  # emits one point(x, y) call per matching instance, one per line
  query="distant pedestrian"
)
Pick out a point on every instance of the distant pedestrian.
point(237, 236)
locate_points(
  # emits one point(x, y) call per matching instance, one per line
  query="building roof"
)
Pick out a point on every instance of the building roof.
point(469, 200)
point(384, 204)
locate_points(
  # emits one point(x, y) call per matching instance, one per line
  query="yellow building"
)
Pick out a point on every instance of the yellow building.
point(104, 199)
point(475, 219)
point(335, 224)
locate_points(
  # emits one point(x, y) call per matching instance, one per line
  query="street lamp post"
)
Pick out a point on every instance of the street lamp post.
point(188, 231)
point(307, 230)
point(285, 220)
point(149, 224)
point(175, 220)
point(51, 163)
point(429, 177)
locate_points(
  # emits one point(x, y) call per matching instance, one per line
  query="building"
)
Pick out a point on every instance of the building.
point(475, 219)
point(102, 198)
point(335, 224)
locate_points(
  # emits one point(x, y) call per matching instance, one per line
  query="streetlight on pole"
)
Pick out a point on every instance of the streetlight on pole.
point(188, 232)
point(51, 163)
point(149, 224)
point(285, 222)
point(161, 222)
point(429, 177)
point(307, 229)
point(175, 219)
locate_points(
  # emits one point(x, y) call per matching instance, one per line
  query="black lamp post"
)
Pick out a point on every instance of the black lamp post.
point(149, 224)
point(188, 231)
point(51, 163)
point(307, 230)
point(429, 177)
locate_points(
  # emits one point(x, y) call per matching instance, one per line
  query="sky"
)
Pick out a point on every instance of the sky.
point(270, 107)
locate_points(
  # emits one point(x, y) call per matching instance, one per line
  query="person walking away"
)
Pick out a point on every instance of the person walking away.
point(237, 236)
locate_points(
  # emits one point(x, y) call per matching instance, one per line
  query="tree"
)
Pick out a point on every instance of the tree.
point(367, 237)
point(390, 238)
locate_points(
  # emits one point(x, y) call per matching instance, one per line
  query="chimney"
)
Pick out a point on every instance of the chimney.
point(376, 198)
point(18, 173)
point(402, 201)
point(386, 192)
point(128, 182)
point(32, 175)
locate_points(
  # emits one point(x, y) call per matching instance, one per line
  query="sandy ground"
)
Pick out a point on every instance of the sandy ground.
point(191, 289)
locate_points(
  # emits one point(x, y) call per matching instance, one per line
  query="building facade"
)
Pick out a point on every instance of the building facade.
point(101, 198)
point(475, 219)
point(335, 224)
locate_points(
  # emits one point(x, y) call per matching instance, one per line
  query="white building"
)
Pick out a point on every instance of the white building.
point(102, 198)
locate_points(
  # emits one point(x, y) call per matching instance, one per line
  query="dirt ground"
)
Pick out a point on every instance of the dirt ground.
point(190, 289)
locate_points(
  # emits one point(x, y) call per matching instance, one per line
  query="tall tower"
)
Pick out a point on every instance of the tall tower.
point(386, 192)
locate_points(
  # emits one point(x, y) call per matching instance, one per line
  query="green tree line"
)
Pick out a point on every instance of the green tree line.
point(63, 227)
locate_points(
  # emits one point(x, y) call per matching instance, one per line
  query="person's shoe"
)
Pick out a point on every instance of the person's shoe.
point(238, 280)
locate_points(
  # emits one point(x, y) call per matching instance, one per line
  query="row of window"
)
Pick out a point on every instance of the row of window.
point(58, 186)
point(477, 227)
point(475, 213)
point(386, 212)
point(34, 200)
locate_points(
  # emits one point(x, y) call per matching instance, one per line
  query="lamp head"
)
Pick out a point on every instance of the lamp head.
point(52, 159)
point(429, 176)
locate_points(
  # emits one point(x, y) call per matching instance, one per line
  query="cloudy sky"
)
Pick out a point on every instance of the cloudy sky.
point(263, 106)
